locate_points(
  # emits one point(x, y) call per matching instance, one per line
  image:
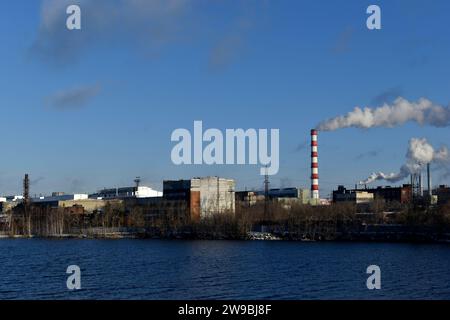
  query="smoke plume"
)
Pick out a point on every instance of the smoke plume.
point(419, 154)
point(423, 112)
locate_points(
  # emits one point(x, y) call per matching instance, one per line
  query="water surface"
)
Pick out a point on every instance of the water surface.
point(154, 269)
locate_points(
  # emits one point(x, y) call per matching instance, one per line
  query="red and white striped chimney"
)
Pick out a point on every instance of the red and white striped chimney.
point(314, 166)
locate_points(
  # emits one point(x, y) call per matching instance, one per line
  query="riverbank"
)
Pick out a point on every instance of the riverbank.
point(401, 237)
point(302, 223)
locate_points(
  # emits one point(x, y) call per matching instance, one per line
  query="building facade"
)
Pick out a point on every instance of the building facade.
point(401, 194)
point(204, 196)
point(443, 194)
point(358, 197)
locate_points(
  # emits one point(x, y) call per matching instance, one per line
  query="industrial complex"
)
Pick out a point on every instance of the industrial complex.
point(202, 197)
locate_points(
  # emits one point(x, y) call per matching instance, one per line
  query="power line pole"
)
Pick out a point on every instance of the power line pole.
point(26, 202)
point(218, 196)
point(266, 194)
point(26, 190)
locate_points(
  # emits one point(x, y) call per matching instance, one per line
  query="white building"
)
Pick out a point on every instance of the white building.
point(126, 192)
point(62, 197)
point(14, 198)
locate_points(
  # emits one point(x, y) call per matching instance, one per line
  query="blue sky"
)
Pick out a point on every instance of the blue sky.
point(82, 110)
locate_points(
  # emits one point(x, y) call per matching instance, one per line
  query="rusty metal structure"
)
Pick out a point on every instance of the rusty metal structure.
point(416, 186)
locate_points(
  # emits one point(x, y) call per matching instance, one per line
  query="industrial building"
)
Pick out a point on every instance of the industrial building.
point(389, 194)
point(286, 195)
point(73, 203)
point(9, 202)
point(126, 192)
point(195, 198)
point(401, 194)
point(358, 197)
point(59, 196)
point(443, 194)
point(6, 206)
point(299, 195)
point(248, 198)
point(203, 196)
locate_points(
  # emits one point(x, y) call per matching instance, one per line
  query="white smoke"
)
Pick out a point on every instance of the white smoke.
point(391, 177)
point(419, 154)
point(442, 155)
point(423, 112)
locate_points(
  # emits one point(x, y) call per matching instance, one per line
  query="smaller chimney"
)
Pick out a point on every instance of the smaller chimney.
point(430, 191)
point(421, 183)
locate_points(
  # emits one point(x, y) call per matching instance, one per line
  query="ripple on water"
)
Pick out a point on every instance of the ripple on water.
point(153, 269)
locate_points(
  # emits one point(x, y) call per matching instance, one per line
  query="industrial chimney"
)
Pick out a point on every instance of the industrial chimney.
point(421, 182)
point(430, 192)
point(26, 190)
point(314, 167)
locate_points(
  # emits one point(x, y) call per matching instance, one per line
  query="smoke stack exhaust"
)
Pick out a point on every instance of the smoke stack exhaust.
point(314, 166)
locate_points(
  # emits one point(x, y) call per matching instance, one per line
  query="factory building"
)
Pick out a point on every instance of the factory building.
point(283, 195)
point(6, 206)
point(300, 195)
point(358, 197)
point(203, 196)
point(59, 196)
point(9, 202)
point(389, 194)
point(72, 203)
point(297, 193)
point(287, 197)
point(248, 198)
point(443, 194)
point(401, 194)
point(126, 192)
point(14, 198)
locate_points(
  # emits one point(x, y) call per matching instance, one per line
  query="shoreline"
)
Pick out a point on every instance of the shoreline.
point(412, 238)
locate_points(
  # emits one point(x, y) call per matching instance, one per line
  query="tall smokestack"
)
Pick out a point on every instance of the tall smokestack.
point(314, 166)
point(421, 182)
point(430, 192)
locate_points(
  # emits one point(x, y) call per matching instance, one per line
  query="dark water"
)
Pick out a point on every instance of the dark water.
point(152, 269)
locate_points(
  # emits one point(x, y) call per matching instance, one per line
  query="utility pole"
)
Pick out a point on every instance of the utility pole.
point(26, 202)
point(26, 190)
point(266, 194)
point(218, 196)
point(137, 181)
